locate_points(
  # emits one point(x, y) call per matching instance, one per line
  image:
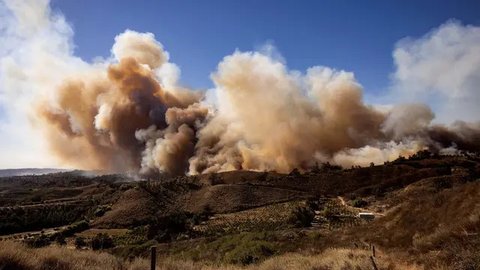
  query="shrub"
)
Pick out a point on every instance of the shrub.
point(329, 167)
point(75, 228)
point(215, 179)
point(263, 177)
point(168, 227)
point(60, 239)
point(400, 159)
point(203, 216)
point(359, 203)
point(302, 217)
point(36, 198)
point(250, 252)
point(243, 248)
point(328, 213)
point(313, 203)
point(442, 183)
point(102, 241)
point(294, 172)
point(134, 250)
point(39, 241)
point(100, 211)
point(424, 154)
point(80, 242)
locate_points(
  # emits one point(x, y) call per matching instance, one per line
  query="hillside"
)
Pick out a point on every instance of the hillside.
point(28, 171)
point(425, 213)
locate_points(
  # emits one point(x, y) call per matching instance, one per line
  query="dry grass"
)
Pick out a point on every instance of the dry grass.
point(17, 256)
point(14, 256)
point(334, 259)
point(438, 224)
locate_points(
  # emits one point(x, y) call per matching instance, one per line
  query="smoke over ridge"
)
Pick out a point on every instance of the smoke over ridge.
point(129, 112)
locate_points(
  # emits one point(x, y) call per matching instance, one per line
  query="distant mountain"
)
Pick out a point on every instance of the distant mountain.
point(29, 171)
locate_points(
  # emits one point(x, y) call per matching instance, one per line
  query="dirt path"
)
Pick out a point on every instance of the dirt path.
point(342, 201)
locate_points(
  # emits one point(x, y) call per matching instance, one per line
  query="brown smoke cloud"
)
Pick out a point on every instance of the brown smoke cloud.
point(128, 112)
point(272, 119)
point(123, 118)
point(272, 125)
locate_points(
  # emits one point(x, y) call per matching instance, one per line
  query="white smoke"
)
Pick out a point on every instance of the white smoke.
point(442, 69)
point(34, 51)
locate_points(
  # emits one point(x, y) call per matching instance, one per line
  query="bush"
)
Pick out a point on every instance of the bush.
point(102, 241)
point(302, 217)
point(400, 159)
point(329, 167)
point(359, 203)
point(80, 242)
point(243, 248)
point(215, 179)
point(263, 177)
point(168, 227)
point(39, 241)
point(295, 172)
point(442, 183)
point(36, 198)
point(313, 203)
point(424, 154)
point(203, 216)
point(250, 252)
point(328, 213)
point(75, 228)
point(101, 210)
point(134, 250)
point(60, 239)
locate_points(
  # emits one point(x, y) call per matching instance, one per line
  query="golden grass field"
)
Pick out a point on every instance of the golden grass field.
point(17, 256)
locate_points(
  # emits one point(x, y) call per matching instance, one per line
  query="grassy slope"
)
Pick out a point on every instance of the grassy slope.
point(16, 256)
point(430, 206)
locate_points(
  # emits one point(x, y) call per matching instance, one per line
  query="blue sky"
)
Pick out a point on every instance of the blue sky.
point(400, 51)
point(357, 36)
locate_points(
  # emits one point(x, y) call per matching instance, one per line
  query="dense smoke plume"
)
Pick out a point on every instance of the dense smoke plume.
point(129, 112)
point(119, 117)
